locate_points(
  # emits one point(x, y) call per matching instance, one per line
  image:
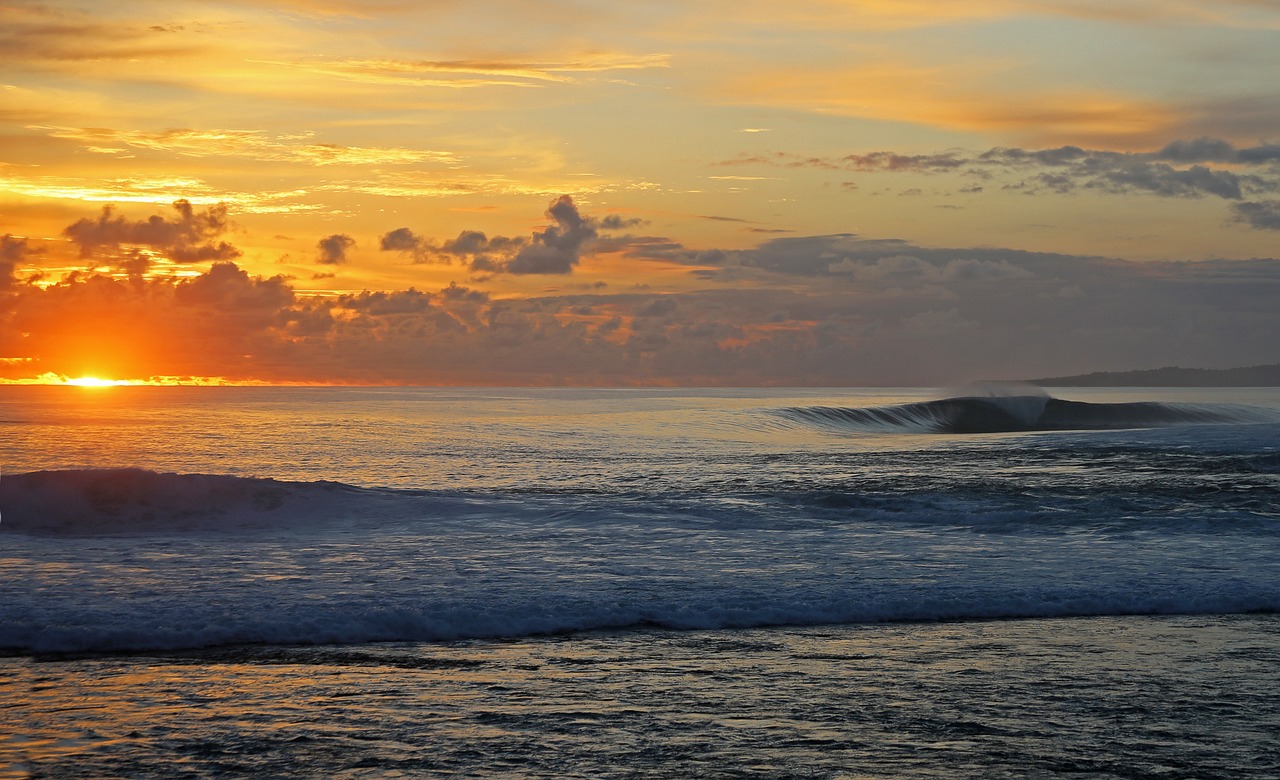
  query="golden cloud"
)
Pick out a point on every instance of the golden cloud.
point(969, 98)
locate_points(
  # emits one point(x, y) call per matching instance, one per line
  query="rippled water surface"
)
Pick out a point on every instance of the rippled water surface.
point(379, 582)
point(1097, 697)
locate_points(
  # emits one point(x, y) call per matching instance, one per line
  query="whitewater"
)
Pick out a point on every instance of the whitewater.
point(358, 529)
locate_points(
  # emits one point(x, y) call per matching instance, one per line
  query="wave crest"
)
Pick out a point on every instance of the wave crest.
point(125, 500)
point(1020, 413)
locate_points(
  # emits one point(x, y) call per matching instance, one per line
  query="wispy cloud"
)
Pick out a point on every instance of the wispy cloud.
point(153, 190)
point(464, 74)
point(252, 144)
point(1177, 170)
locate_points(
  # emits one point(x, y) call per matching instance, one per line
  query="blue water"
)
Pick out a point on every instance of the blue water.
point(560, 582)
point(151, 518)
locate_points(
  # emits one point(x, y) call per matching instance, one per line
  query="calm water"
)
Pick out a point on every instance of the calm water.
point(391, 582)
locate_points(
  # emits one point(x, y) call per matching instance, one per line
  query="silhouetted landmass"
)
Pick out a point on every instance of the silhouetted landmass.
point(1253, 376)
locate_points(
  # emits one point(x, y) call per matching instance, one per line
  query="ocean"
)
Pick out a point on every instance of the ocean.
point(404, 582)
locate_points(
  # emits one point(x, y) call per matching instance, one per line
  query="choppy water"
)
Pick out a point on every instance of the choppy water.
point(211, 521)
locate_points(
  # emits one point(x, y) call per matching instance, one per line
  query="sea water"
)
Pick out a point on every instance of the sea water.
point(397, 582)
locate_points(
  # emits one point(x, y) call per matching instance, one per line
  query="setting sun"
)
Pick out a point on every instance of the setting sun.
point(93, 381)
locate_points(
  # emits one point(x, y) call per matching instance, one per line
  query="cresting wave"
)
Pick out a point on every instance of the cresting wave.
point(132, 499)
point(100, 567)
point(1024, 413)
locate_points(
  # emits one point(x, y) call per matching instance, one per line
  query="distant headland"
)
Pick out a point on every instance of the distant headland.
point(1172, 376)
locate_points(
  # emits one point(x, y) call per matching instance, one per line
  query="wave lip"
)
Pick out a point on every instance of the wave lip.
point(1022, 413)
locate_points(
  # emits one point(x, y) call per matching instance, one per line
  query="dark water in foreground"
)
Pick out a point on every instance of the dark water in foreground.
point(1134, 697)
point(221, 582)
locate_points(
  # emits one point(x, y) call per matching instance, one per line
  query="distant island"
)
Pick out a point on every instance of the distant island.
point(1172, 376)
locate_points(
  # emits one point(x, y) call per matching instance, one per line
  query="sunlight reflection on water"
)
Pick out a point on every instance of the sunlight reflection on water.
point(1100, 696)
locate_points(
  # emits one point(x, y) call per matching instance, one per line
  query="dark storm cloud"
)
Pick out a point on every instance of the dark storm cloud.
point(333, 249)
point(190, 237)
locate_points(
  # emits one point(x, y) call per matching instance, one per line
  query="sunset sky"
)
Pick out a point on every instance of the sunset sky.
point(825, 192)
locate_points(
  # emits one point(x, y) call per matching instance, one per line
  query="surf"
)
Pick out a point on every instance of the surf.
point(974, 414)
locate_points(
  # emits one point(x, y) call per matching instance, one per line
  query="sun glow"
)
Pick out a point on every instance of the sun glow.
point(61, 380)
point(93, 381)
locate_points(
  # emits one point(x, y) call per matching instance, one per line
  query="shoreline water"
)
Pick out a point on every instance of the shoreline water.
point(1105, 697)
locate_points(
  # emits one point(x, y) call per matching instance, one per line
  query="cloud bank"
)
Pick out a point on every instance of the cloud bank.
point(811, 310)
point(190, 237)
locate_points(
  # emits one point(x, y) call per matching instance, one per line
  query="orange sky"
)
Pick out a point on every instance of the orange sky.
point(636, 193)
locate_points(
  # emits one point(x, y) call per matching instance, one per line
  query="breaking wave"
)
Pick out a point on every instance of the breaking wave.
point(1018, 413)
point(132, 499)
point(106, 560)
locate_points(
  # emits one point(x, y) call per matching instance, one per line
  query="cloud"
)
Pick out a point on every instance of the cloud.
point(821, 310)
point(1165, 181)
point(1173, 171)
point(616, 222)
point(228, 288)
point(188, 238)
point(556, 249)
point(1201, 150)
point(1068, 167)
point(1195, 168)
point(1263, 215)
point(891, 161)
point(35, 36)
point(471, 247)
point(400, 240)
point(460, 74)
point(828, 334)
point(333, 249)
point(12, 251)
point(251, 144)
point(977, 95)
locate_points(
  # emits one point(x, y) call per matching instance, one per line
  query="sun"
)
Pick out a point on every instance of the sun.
point(93, 381)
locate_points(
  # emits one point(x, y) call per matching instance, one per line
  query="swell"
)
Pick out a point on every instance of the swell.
point(1014, 414)
point(121, 500)
point(395, 611)
point(1094, 487)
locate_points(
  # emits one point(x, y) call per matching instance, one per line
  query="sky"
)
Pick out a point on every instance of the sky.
point(490, 192)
